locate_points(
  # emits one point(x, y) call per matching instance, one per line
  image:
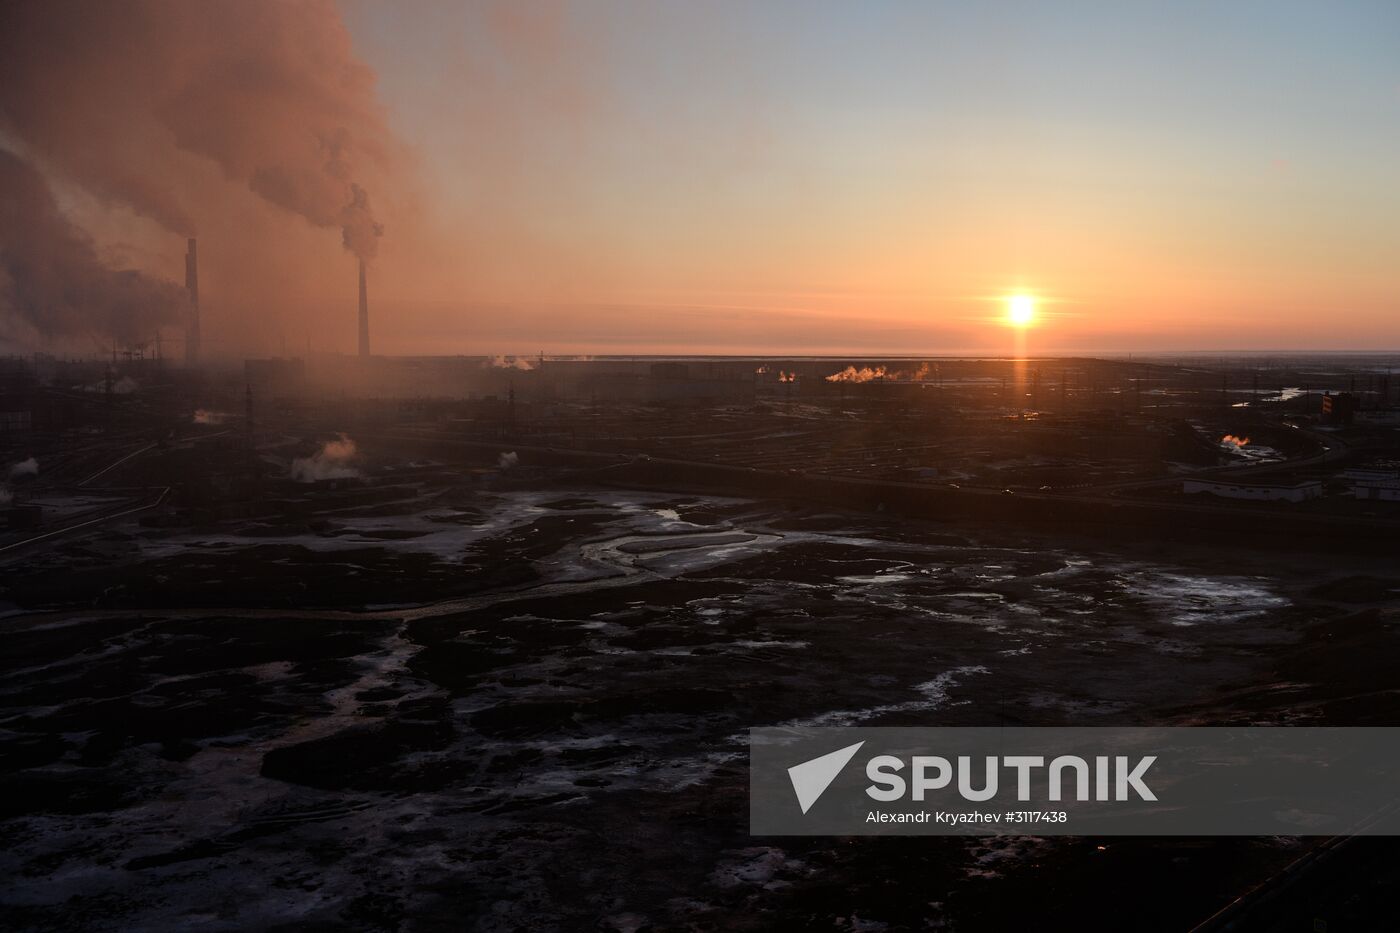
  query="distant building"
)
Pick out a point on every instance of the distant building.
point(1382, 470)
point(1380, 485)
point(17, 391)
point(1339, 408)
point(665, 383)
point(1257, 492)
point(1380, 492)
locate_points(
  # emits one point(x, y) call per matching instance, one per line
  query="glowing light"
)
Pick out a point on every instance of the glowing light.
point(1020, 310)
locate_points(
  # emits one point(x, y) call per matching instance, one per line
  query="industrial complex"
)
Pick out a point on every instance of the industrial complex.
point(637, 467)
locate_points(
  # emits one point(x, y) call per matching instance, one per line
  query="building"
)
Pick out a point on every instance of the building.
point(17, 391)
point(1339, 408)
point(666, 383)
point(1378, 491)
point(1374, 484)
point(1256, 492)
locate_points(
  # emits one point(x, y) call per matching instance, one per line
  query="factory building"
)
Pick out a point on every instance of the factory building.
point(1340, 408)
point(662, 383)
point(1374, 484)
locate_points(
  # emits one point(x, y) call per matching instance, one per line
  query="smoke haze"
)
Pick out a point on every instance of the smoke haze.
point(51, 279)
point(332, 461)
point(165, 110)
point(659, 178)
point(111, 94)
point(27, 467)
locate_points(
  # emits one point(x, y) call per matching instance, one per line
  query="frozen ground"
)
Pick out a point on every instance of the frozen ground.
point(527, 709)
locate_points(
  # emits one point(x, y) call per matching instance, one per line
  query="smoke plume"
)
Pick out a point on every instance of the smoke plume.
point(51, 279)
point(509, 362)
point(117, 98)
point(851, 374)
point(28, 468)
point(332, 461)
point(879, 373)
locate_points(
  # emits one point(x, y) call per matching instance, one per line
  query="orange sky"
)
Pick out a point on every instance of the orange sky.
point(846, 178)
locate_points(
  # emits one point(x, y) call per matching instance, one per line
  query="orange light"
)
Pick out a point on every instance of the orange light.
point(1020, 310)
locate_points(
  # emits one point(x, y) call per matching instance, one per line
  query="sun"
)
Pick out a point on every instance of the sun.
point(1020, 310)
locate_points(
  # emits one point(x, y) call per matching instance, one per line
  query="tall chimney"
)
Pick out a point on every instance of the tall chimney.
point(364, 313)
point(192, 286)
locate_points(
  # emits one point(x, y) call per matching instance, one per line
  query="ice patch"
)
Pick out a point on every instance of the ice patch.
point(935, 695)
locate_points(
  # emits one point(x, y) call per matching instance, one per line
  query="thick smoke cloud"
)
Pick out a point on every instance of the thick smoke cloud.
point(51, 279)
point(117, 96)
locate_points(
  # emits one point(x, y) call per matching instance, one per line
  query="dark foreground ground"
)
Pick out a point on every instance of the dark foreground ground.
point(525, 708)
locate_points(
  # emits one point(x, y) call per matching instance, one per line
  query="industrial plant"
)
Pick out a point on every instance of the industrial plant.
point(272, 622)
point(418, 607)
point(772, 413)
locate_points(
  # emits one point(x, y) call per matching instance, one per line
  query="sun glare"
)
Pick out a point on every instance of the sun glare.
point(1020, 310)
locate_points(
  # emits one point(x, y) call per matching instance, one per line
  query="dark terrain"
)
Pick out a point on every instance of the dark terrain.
point(540, 719)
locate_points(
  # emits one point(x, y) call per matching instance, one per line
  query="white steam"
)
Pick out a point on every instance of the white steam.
point(332, 461)
point(28, 467)
point(880, 374)
point(510, 362)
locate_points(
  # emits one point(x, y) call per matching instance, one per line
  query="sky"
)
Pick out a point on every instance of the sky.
point(852, 178)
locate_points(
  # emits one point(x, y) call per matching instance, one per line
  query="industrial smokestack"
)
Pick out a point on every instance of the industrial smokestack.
point(364, 313)
point(192, 286)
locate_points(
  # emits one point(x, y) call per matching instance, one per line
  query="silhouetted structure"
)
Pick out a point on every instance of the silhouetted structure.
point(192, 286)
point(364, 313)
point(1339, 408)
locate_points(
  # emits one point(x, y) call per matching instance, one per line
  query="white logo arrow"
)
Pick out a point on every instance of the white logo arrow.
point(811, 778)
